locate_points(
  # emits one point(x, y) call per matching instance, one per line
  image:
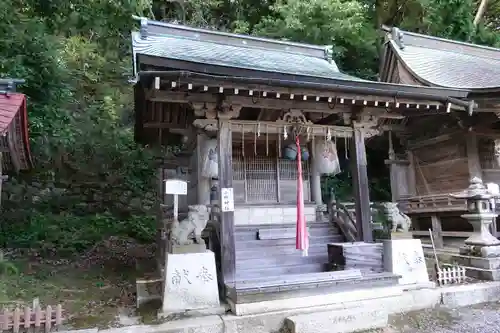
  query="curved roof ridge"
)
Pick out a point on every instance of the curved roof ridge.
point(439, 43)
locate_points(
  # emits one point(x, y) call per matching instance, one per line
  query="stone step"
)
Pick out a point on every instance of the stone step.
point(338, 321)
point(275, 261)
point(251, 273)
point(248, 244)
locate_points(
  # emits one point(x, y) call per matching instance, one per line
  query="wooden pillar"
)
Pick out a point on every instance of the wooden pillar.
point(203, 183)
point(360, 184)
point(226, 199)
point(315, 179)
point(437, 232)
point(412, 179)
point(473, 157)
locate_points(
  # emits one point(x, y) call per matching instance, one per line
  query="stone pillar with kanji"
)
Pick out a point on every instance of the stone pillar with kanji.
point(190, 276)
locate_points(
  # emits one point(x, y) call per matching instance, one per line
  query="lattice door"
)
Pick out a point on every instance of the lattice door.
point(261, 179)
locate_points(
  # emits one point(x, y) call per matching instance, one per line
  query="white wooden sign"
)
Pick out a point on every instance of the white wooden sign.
point(227, 198)
point(176, 187)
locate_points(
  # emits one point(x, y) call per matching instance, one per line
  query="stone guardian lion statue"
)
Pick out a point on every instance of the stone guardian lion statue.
point(181, 233)
point(399, 220)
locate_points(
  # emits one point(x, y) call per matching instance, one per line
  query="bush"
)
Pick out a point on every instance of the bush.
point(67, 234)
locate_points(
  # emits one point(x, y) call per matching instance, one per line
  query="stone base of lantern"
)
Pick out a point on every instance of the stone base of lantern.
point(481, 262)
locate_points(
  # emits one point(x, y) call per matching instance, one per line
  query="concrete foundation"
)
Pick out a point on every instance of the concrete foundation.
point(343, 311)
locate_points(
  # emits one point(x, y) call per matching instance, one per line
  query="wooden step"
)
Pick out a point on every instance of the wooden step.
point(297, 279)
point(278, 251)
point(280, 233)
point(275, 261)
point(303, 285)
point(247, 244)
point(243, 274)
point(315, 225)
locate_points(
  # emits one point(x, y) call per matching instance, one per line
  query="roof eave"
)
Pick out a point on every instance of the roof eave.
point(336, 85)
point(394, 49)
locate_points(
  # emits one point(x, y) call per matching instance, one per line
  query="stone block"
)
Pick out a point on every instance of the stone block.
point(147, 290)
point(324, 299)
point(190, 282)
point(189, 248)
point(357, 255)
point(465, 295)
point(405, 257)
point(490, 251)
point(341, 321)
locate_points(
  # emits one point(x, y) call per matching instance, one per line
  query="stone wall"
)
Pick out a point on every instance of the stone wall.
point(271, 214)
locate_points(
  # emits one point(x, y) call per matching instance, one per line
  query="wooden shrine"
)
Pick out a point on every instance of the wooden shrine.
point(15, 152)
point(240, 101)
point(441, 151)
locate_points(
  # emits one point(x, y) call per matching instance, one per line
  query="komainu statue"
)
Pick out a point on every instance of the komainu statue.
point(181, 233)
point(399, 220)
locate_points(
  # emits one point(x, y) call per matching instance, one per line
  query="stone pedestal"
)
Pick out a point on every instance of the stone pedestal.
point(190, 282)
point(366, 257)
point(481, 262)
point(401, 235)
point(405, 257)
point(481, 224)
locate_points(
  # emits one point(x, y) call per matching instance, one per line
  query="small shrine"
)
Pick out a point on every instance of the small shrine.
point(15, 152)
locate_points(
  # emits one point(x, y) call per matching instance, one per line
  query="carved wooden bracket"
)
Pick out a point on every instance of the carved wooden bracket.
point(228, 111)
point(209, 110)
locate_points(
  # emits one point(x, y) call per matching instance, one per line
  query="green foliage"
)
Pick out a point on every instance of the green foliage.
point(91, 180)
point(343, 24)
point(67, 234)
point(7, 267)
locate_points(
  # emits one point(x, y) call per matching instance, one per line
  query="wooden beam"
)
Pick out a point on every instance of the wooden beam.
point(251, 102)
point(432, 141)
point(437, 231)
point(14, 154)
point(464, 234)
point(360, 184)
point(250, 126)
point(227, 243)
point(473, 156)
point(312, 93)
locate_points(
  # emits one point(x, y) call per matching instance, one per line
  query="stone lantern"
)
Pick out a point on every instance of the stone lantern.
point(480, 213)
point(481, 253)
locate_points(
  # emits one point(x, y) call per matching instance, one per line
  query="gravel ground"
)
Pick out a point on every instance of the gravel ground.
point(484, 318)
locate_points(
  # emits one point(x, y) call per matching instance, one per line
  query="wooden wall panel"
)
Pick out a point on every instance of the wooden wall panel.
point(442, 167)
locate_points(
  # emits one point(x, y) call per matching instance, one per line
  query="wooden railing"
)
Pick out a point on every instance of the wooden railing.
point(436, 203)
point(340, 215)
point(344, 215)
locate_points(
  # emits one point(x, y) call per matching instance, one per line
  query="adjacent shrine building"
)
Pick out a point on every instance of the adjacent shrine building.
point(444, 151)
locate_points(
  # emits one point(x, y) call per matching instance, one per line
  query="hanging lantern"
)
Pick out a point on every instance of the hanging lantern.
point(290, 152)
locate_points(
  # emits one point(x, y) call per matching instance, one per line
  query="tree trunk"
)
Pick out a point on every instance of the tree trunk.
point(480, 11)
